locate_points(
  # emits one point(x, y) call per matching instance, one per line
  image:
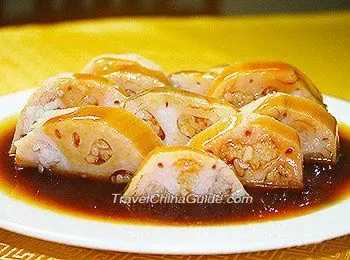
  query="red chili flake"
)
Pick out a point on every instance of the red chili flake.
point(231, 162)
point(76, 139)
point(289, 150)
point(160, 165)
point(210, 151)
point(58, 134)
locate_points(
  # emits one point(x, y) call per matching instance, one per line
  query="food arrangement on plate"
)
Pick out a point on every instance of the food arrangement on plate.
point(123, 125)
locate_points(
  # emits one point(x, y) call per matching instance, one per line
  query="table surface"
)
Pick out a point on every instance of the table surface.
point(318, 44)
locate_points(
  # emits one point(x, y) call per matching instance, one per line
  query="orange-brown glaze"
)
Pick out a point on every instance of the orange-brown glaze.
point(104, 66)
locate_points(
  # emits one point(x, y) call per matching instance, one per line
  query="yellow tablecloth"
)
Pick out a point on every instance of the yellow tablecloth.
point(318, 44)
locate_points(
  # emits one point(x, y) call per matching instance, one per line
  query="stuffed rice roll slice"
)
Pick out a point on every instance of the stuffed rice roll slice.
point(317, 128)
point(67, 90)
point(177, 115)
point(130, 71)
point(180, 171)
point(242, 83)
point(263, 151)
point(194, 81)
point(98, 142)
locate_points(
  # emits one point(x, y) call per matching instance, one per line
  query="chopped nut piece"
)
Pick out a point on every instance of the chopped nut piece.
point(150, 119)
point(121, 176)
point(192, 125)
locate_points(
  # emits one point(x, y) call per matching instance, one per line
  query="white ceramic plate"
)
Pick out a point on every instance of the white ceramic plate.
point(26, 219)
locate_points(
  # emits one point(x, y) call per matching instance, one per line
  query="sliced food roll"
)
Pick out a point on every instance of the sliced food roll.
point(317, 128)
point(100, 142)
point(242, 83)
point(177, 115)
point(194, 81)
point(263, 151)
point(180, 171)
point(131, 71)
point(67, 90)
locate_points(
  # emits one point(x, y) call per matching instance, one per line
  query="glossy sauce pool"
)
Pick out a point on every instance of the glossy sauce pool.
point(324, 185)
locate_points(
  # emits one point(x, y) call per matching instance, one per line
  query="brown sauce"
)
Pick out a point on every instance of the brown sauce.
point(324, 186)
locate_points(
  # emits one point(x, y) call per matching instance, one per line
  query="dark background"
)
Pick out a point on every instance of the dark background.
point(47, 11)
